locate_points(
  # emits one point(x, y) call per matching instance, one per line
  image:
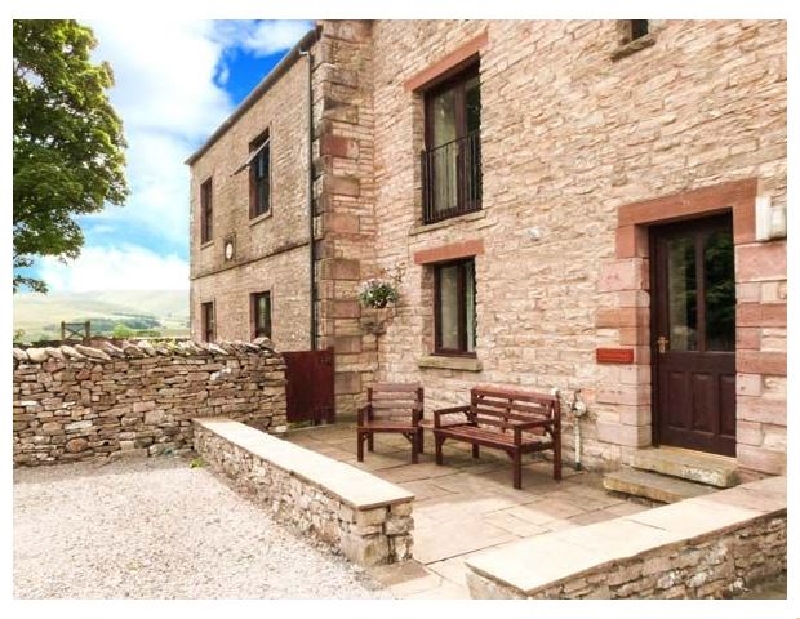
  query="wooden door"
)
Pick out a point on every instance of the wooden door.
point(310, 386)
point(693, 335)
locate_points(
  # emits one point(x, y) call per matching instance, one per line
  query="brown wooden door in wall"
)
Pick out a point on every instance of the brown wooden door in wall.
point(310, 386)
point(694, 336)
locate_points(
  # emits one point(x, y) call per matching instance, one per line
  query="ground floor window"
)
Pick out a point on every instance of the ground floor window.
point(454, 298)
point(261, 314)
point(207, 319)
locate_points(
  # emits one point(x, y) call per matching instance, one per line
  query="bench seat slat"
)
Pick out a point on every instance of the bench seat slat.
point(489, 438)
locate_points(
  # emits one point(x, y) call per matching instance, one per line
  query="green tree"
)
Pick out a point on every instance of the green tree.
point(68, 141)
point(122, 331)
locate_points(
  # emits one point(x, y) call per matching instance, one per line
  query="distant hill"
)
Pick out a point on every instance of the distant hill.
point(40, 315)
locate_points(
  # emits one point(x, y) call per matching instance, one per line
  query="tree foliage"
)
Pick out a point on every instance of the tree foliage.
point(68, 141)
point(122, 331)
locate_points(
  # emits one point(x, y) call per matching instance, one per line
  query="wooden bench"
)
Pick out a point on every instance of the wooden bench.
point(515, 421)
point(392, 408)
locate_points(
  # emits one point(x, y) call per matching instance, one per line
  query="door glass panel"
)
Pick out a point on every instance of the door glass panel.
point(682, 293)
point(445, 151)
point(448, 306)
point(720, 292)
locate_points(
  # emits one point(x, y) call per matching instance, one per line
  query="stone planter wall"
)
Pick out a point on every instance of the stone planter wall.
point(80, 403)
point(364, 517)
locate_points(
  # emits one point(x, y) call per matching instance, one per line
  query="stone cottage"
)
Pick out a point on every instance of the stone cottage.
point(593, 205)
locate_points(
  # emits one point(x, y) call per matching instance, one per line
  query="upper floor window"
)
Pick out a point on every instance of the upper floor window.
point(259, 176)
point(206, 212)
point(261, 312)
point(639, 28)
point(454, 299)
point(451, 163)
point(207, 321)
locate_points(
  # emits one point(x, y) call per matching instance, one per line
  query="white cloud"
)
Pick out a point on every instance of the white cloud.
point(263, 38)
point(110, 268)
point(166, 94)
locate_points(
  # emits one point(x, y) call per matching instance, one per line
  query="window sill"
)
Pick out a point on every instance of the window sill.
point(207, 244)
point(419, 228)
point(260, 218)
point(634, 46)
point(439, 362)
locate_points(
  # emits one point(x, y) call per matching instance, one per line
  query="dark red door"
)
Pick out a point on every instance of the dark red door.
point(693, 335)
point(309, 386)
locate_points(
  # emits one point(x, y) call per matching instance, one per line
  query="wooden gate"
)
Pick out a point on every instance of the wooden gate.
point(309, 386)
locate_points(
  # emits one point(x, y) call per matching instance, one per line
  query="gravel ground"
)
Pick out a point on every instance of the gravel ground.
point(158, 529)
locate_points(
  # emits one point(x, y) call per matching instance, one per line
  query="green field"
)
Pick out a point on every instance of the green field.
point(40, 316)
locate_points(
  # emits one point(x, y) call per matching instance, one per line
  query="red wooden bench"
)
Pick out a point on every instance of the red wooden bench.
point(513, 420)
point(392, 408)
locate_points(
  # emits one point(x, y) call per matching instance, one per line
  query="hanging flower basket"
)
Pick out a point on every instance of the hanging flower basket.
point(377, 293)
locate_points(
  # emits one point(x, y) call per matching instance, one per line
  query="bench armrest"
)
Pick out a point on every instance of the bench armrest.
point(437, 414)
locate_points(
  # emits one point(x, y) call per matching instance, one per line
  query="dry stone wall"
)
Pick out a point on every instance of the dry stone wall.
point(78, 403)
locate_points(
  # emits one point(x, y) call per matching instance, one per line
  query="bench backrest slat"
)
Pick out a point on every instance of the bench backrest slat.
point(493, 406)
point(395, 400)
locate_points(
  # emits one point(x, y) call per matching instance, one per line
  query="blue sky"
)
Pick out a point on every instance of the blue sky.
point(171, 90)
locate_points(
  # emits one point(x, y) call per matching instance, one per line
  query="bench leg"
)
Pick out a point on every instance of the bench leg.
point(360, 446)
point(420, 443)
point(439, 440)
point(414, 448)
point(476, 451)
point(517, 466)
point(370, 442)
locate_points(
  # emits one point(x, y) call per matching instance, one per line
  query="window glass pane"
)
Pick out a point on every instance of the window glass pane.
point(469, 268)
point(473, 102)
point(444, 118)
point(720, 292)
point(448, 307)
point(682, 291)
point(445, 151)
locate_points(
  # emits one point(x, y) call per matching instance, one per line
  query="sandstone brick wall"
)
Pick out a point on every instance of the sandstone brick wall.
point(80, 403)
point(569, 135)
point(345, 195)
point(286, 278)
point(367, 531)
point(575, 128)
point(271, 252)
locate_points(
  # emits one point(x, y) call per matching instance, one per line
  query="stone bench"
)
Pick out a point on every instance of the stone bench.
point(367, 518)
point(710, 546)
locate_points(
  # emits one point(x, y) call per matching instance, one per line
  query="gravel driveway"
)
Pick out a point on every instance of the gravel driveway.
point(158, 529)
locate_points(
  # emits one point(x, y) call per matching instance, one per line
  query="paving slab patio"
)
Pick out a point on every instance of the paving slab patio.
point(468, 505)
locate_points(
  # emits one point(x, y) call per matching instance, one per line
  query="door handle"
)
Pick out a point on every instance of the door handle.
point(663, 343)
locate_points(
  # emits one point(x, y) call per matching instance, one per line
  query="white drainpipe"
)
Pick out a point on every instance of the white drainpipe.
point(578, 408)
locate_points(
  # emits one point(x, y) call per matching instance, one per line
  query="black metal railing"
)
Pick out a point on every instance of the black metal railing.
point(452, 180)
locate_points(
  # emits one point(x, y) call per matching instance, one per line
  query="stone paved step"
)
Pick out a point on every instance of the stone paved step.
point(690, 465)
point(653, 486)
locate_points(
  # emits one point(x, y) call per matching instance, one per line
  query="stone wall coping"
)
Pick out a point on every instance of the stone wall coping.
point(358, 489)
point(141, 349)
point(545, 560)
